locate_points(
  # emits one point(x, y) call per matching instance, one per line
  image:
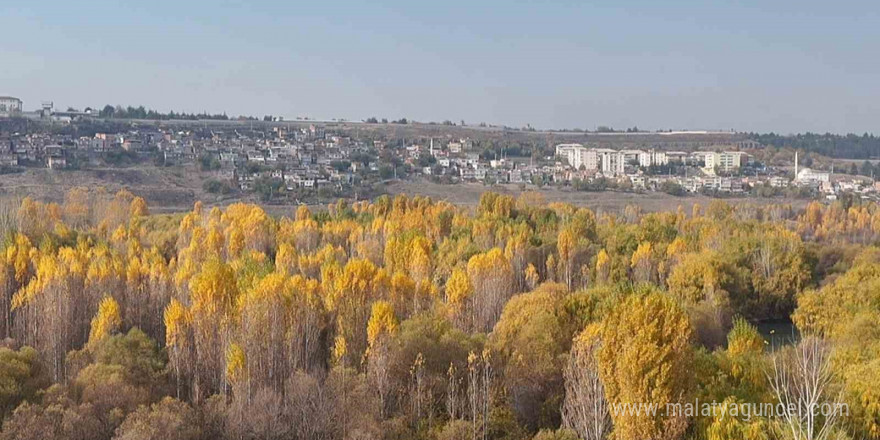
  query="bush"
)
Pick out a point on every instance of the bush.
point(562, 434)
point(215, 186)
point(672, 188)
point(454, 430)
point(209, 162)
point(167, 419)
point(21, 376)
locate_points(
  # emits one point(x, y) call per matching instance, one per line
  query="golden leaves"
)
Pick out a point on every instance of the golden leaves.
point(644, 358)
point(177, 321)
point(382, 322)
point(458, 287)
point(236, 362)
point(107, 320)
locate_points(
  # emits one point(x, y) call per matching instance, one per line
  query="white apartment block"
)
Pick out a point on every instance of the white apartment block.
point(609, 162)
point(579, 156)
point(725, 161)
point(653, 157)
point(590, 160)
point(572, 153)
point(613, 162)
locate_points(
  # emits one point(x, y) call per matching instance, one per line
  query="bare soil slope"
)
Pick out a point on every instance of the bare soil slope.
point(607, 201)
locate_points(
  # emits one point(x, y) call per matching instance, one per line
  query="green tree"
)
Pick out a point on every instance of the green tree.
point(21, 377)
point(530, 340)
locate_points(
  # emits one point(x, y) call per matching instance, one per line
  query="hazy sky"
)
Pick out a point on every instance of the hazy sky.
point(762, 65)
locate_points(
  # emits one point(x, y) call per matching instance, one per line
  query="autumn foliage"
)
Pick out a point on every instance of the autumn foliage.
point(406, 317)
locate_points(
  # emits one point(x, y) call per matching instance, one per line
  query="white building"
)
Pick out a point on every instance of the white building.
point(653, 157)
point(572, 153)
point(613, 162)
point(9, 106)
point(637, 181)
point(725, 161)
point(610, 162)
point(812, 176)
point(778, 182)
point(579, 156)
point(590, 160)
point(731, 185)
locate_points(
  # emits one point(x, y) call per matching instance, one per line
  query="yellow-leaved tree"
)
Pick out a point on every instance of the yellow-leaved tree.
point(213, 295)
point(350, 293)
point(644, 269)
point(380, 329)
point(179, 340)
point(492, 280)
point(106, 321)
point(728, 424)
point(644, 360)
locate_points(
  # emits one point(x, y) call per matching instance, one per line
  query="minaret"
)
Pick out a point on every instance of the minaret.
point(795, 165)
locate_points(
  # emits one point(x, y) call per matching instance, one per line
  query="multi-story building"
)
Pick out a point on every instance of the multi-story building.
point(653, 157)
point(725, 161)
point(613, 162)
point(9, 106)
point(609, 162)
point(675, 156)
point(590, 160)
point(630, 156)
point(571, 153)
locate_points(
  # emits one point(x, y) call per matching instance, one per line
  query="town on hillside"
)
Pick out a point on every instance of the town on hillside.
point(307, 161)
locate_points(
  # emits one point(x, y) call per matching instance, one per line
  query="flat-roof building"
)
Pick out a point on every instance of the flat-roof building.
point(9, 106)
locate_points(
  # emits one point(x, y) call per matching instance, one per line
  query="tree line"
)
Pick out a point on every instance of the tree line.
point(850, 146)
point(120, 112)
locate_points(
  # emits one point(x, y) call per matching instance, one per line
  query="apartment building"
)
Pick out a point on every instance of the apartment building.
point(652, 157)
point(613, 162)
point(725, 161)
point(572, 153)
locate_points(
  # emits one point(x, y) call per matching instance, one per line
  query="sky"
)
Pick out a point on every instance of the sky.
point(763, 65)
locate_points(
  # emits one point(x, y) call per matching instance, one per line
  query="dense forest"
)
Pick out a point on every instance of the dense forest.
point(407, 318)
point(836, 146)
